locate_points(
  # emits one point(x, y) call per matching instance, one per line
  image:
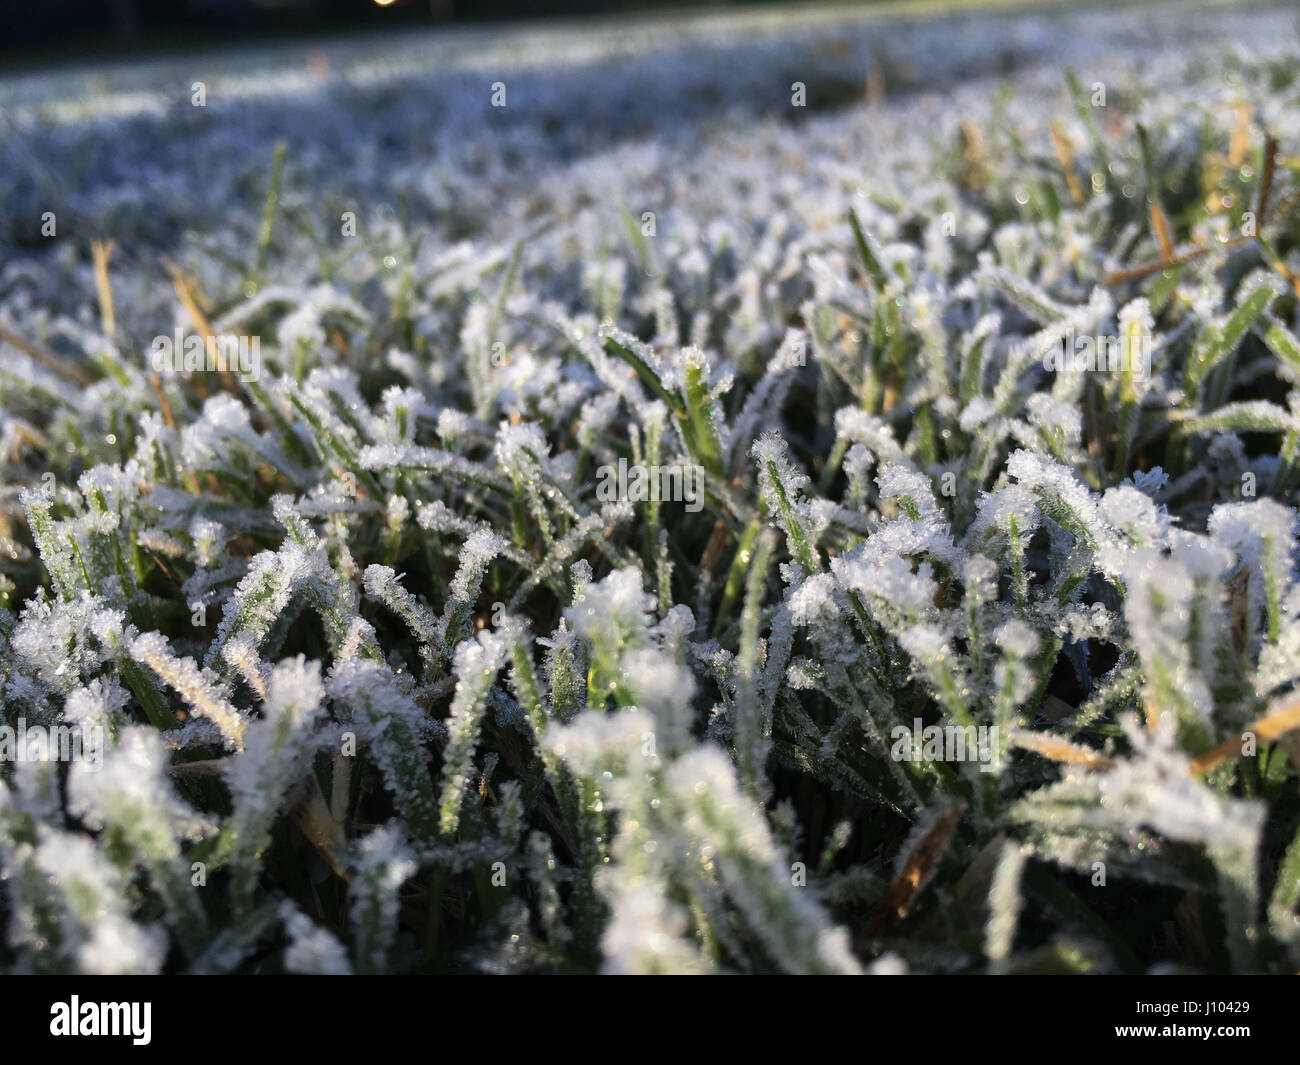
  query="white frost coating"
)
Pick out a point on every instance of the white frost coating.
point(131, 786)
point(1012, 675)
point(54, 642)
point(646, 935)
point(122, 947)
point(856, 425)
point(453, 424)
point(995, 511)
point(1172, 801)
point(980, 572)
point(199, 687)
point(263, 593)
point(94, 908)
point(209, 539)
point(1017, 639)
point(812, 598)
point(617, 604)
point(791, 925)
point(277, 751)
point(911, 489)
point(888, 582)
point(477, 663)
point(312, 949)
point(976, 413)
point(480, 549)
point(1150, 481)
point(1053, 416)
point(382, 865)
point(928, 644)
point(1055, 482)
point(1160, 603)
point(593, 742)
point(1135, 329)
point(771, 447)
point(1261, 535)
point(1279, 663)
point(597, 415)
point(96, 705)
point(520, 449)
point(241, 652)
point(1260, 532)
point(1005, 903)
point(1133, 513)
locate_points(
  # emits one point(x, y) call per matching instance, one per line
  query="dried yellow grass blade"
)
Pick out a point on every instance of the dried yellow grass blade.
point(1060, 750)
point(314, 818)
point(50, 362)
point(903, 891)
point(186, 293)
point(1239, 139)
point(101, 251)
point(1065, 153)
point(1160, 224)
point(1137, 273)
point(1266, 729)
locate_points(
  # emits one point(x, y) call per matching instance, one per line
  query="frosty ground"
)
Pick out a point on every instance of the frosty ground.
point(389, 681)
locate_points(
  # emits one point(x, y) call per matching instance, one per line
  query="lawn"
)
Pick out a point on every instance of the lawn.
point(737, 493)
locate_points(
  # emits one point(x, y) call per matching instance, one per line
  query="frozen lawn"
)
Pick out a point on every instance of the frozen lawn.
point(920, 642)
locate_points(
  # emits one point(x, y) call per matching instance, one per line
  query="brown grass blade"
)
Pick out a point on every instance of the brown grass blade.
point(101, 251)
point(1061, 750)
point(50, 362)
point(1266, 729)
point(1065, 153)
point(916, 867)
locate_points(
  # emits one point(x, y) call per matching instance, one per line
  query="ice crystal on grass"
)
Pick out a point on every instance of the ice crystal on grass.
point(95, 916)
point(199, 688)
point(130, 797)
point(394, 727)
point(382, 865)
point(277, 752)
point(312, 949)
point(360, 667)
point(476, 665)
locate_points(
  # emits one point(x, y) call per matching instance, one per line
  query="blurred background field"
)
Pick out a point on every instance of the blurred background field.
point(96, 99)
point(57, 30)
